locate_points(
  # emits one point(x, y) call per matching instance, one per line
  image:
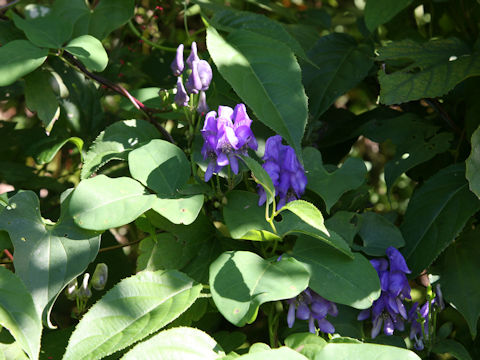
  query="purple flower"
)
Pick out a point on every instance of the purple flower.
point(287, 174)
point(312, 307)
point(225, 136)
point(193, 55)
point(200, 77)
point(202, 107)
point(181, 97)
point(388, 310)
point(177, 64)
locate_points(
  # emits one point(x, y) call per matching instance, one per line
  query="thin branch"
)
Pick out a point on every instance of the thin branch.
point(114, 247)
point(145, 40)
point(9, 4)
point(443, 114)
point(122, 91)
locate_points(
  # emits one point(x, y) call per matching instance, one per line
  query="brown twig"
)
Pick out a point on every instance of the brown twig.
point(7, 5)
point(443, 114)
point(119, 246)
point(122, 91)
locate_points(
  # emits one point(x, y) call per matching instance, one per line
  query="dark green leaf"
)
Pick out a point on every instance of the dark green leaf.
point(115, 142)
point(89, 51)
point(46, 151)
point(331, 186)
point(352, 282)
point(378, 12)
point(436, 214)
point(452, 347)
point(459, 280)
point(261, 177)
point(49, 31)
point(40, 97)
point(18, 58)
point(472, 172)
point(341, 65)
point(240, 281)
point(266, 75)
point(438, 66)
point(47, 257)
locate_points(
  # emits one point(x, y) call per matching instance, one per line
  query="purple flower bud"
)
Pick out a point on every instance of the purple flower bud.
point(397, 262)
point(205, 74)
point(194, 83)
point(177, 64)
point(363, 315)
point(325, 326)
point(397, 282)
point(311, 325)
point(291, 314)
point(181, 97)
point(379, 264)
point(100, 276)
point(193, 55)
point(377, 326)
point(388, 327)
point(202, 107)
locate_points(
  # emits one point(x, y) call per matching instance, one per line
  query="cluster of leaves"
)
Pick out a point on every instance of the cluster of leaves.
point(376, 97)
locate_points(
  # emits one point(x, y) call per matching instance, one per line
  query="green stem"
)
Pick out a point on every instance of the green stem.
point(151, 43)
point(271, 331)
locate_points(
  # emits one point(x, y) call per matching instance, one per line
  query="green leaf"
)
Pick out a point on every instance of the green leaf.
point(115, 142)
point(460, 284)
point(438, 66)
point(18, 313)
point(100, 21)
point(89, 51)
point(306, 343)
point(261, 177)
point(179, 210)
point(435, 215)
point(473, 164)
point(378, 234)
point(334, 351)
point(180, 343)
point(47, 257)
point(282, 353)
point(344, 223)
point(48, 32)
point(130, 311)
point(416, 142)
point(331, 186)
point(308, 213)
point(452, 347)
point(46, 151)
point(229, 19)
point(341, 65)
point(245, 219)
point(161, 166)
point(240, 281)
point(266, 76)
point(378, 12)
point(352, 282)
point(40, 97)
point(18, 58)
point(101, 202)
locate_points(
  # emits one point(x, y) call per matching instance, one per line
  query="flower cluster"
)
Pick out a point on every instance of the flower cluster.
point(286, 172)
point(226, 134)
point(418, 316)
point(198, 80)
point(311, 306)
point(389, 308)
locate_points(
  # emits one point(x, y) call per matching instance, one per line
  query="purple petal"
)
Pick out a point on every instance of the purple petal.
point(291, 315)
point(325, 326)
point(379, 264)
point(397, 282)
point(225, 112)
point(272, 148)
point(401, 308)
point(202, 107)
point(209, 172)
point(388, 326)
point(311, 325)
point(377, 325)
point(205, 74)
point(193, 55)
point(319, 309)
point(222, 159)
point(379, 305)
point(233, 163)
point(333, 310)
point(384, 280)
point(397, 262)
point(439, 298)
point(303, 311)
point(181, 97)
point(262, 194)
point(363, 315)
point(177, 65)
point(194, 83)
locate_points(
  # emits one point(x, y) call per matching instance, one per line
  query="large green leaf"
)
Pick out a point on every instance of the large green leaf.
point(18, 313)
point(352, 282)
point(99, 21)
point(229, 19)
point(180, 343)
point(332, 185)
point(416, 142)
point(435, 215)
point(240, 281)
point(452, 347)
point(46, 150)
point(47, 257)
point(101, 202)
point(459, 277)
point(334, 351)
point(18, 58)
point(472, 172)
point(89, 51)
point(161, 166)
point(308, 213)
point(266, 75)
point(49, 31)
point(130, 311)
point(282, 353)
point(40, 97)
point(378, 12)
point(261, 177)
point(341, 65)
point(115, 142)
point(438, 66)
point(179, 209)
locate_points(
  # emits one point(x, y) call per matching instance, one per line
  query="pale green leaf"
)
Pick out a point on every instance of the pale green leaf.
point(308, 213)
point(472, 172)
point(335, 351)
point(130, 311)
point(282, 353)
point(89, 51)
point(179, 210)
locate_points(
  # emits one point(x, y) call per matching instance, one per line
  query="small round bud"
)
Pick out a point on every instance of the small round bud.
point(100, 276)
